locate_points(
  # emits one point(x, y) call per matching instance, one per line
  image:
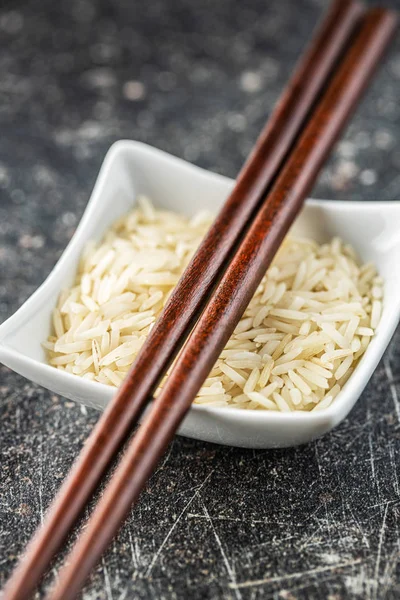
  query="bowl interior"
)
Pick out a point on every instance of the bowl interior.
point(132, 168)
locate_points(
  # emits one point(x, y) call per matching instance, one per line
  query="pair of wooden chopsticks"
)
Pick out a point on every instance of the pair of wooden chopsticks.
point(232, 259)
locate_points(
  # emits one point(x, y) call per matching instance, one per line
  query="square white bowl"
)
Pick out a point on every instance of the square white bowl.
point(131, 168)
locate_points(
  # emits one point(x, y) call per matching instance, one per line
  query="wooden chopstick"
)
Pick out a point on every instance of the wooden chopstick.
point(191, 292)
point(232, 295)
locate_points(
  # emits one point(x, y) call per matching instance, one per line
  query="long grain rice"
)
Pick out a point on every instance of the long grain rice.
point(299, 340)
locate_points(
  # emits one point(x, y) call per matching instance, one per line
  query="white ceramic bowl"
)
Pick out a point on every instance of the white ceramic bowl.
point(130, 168)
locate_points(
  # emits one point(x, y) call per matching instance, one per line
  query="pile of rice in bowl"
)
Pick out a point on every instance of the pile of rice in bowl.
point(309, 322)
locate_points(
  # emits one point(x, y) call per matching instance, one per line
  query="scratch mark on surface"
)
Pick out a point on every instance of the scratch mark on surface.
point(224, 518)
point(289, 576)
point(371, 452)
point(361, 428)
point(328, 526)
point(166, 459)
point(274, 542)
point(393, 465)
point(133, 553)
point(298, 588)
point(358, 525)
point(382, 504)
point(356, 437)
point(378, 557)
point(392, 386)
point(228, 567)
point(175, 523)
point(309, 539)
point(18, 419)
point(107, 583)
point(313, 514)
point(347, 505)
point(40, 488)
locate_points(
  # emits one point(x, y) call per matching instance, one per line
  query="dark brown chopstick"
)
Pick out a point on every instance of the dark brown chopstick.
point(229, 300)
point(190, 294)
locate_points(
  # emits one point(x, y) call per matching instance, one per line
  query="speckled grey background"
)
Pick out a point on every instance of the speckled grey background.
point(198, 79)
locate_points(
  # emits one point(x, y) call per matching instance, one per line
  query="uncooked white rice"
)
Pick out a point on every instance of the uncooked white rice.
point(299, 340)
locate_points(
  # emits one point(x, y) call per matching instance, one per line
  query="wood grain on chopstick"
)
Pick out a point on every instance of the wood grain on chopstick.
point(230, 298)
point(190, 293)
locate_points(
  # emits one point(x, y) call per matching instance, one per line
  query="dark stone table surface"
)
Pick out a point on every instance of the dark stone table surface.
point(197, 79)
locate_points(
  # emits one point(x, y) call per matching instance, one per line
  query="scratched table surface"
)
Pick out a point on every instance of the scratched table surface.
point(197, 79)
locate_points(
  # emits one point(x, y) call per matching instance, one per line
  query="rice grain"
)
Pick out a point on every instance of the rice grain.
point(298, 341)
